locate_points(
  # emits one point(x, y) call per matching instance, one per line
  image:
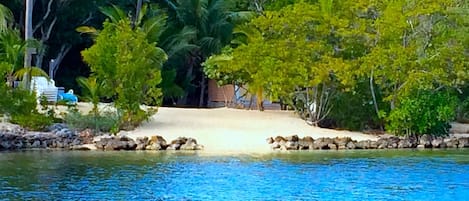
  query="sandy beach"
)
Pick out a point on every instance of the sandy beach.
point(232, 130)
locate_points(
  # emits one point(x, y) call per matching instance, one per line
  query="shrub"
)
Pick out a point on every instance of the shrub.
point(21, 105)
point(104, 122)
point(423, 113)
point(34, 121)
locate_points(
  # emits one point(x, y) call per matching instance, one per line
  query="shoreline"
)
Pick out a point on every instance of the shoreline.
point(233, 130)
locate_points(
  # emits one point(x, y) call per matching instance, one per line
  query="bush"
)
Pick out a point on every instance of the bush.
point(424, 113)
point(34, 121)
point(354, 110)
point(17, 101)
point(104, 122)
point(21, 105)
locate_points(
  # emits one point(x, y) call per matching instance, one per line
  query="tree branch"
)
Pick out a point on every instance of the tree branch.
point(49, 8)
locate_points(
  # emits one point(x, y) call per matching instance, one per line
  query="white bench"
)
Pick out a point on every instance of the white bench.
point(44, 87)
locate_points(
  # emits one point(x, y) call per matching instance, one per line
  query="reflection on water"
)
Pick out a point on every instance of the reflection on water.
point(315, 175)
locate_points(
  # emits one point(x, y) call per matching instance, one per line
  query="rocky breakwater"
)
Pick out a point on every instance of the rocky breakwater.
point(13, 137)
point(390, 142)
point(59, 136)
point(123, 142)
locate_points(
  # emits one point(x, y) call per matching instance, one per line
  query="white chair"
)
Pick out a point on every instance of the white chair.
point(44, 87)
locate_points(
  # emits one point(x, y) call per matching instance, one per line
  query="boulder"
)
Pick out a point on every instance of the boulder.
point(463, 142)
point(293, 138)
point(451, 142)
point(322, 143)
point(332, 146)
point(290, 145)
point(189, 145)
point(405, 143)
point(305, 143)
point(84, 147)
point(437, 143)
point(426, 140)
point(12, 129)
point(363, 144)
point(351, 145)
point(86, 136)
point(275, 145)
point(279, 139)
point(342, 142)
point(142, 143)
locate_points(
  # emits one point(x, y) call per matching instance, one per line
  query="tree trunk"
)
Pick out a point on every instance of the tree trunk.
point(203, 85)
point(137, 13)
point(259, 100)
point(183, 100)
point(375, 103)
point(28, 35)
point(58, 60)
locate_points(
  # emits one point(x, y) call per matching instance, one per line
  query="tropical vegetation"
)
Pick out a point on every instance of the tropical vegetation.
point(400, 66)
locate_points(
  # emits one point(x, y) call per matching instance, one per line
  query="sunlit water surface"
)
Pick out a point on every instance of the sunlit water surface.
point(318, 175)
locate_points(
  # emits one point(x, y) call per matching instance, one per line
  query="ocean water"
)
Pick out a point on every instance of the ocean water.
point(314, 175)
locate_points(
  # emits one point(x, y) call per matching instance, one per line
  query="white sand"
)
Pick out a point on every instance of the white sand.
point(232, 130)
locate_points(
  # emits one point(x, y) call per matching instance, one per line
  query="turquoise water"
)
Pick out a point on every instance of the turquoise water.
point(318, 175)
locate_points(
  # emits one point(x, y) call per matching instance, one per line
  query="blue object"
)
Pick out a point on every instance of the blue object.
point(69, 97)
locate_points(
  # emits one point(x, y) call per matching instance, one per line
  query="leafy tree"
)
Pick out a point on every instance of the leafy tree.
point(196, 30)
point(128, 67)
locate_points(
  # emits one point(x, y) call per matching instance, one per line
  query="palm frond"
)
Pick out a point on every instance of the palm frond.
point(154, 27)
point(114, 13)
point(30, 71)
point(6, 18)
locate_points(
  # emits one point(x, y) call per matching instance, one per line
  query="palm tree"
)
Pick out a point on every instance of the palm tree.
point(203, 28)
point(12, 48)
point(6, 18)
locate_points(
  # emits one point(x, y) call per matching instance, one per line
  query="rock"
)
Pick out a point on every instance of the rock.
point(322, 143)
point(351, 145)
point(451, 142)
point(279, 139)
point(142, 143)
point(179, 140)
point(154, 146)
point(173, 147)
point(426, 140)
point(305, 143)
point(86, 136)
point(84, 147)
point(275, 145)
point(342, 142)
point(12, 129)
point(437, 142)
point(405, 143)
point(291, 145)
point(363, 144)
point(421, 146)
point(36, 144)
point(332, 146)
point(463, 142)
point(270, 140)
point(293, 138)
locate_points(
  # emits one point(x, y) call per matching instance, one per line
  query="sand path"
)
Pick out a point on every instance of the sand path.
point(232, 130)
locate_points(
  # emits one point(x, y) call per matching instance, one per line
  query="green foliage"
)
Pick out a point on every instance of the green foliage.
point(91, 91)
point(423, 113)
point(128, 66)
point(33, 121)
point(103, 122)
point(353, 109)
point(21, 105)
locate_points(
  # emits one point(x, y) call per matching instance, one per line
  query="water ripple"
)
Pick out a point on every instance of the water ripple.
point(390, 175)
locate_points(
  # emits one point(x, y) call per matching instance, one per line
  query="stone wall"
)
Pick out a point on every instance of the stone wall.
point(59, 136)
point(392, 142)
